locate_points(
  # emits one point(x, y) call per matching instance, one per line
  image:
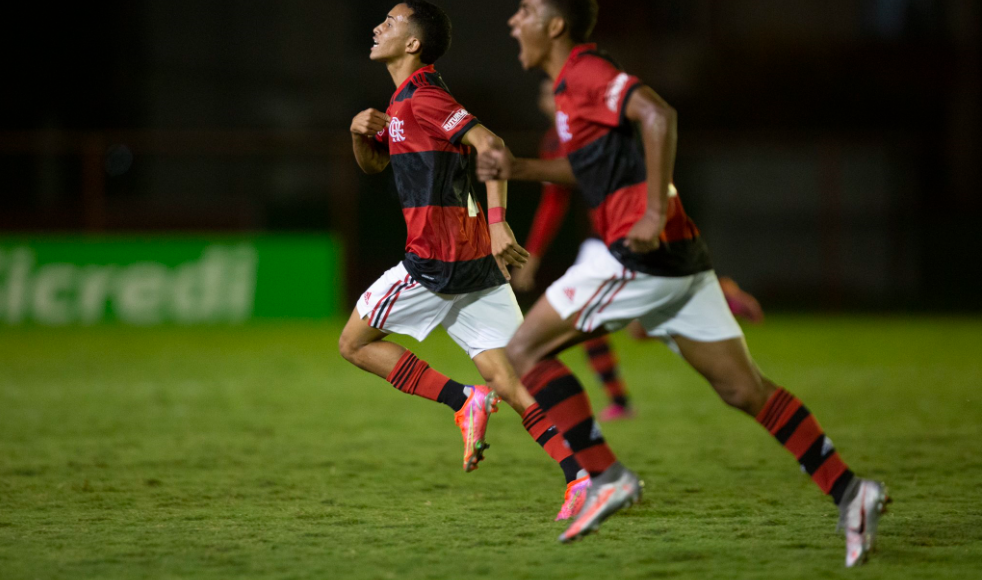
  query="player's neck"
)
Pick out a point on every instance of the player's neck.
point(557, 57)
point(402, 68)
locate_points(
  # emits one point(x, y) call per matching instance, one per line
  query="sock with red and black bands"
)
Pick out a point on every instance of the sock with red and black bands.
point(415, 377)
point(604, 363)
point(793, 425)
point(547, 436)
point(561, 397)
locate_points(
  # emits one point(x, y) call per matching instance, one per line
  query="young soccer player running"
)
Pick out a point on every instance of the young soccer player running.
point(553, 206)
point(454, 273)
point(657, 270)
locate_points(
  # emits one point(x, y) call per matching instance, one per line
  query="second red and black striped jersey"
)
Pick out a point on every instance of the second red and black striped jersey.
point(607, 157)
point(448, 246)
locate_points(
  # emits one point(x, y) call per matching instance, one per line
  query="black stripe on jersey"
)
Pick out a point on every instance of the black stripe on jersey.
point(671, 259)
point(454, 277)
point(406, 93)
point(459, 135)
point(609, 163)
point(561, 88)
point(440, 178)
point(604, 55)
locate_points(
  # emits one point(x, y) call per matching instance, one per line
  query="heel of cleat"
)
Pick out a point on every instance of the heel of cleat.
point(491, 402)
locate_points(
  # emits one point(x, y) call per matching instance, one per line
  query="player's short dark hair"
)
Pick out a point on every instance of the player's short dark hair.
point(580, 17)
point(433, 26)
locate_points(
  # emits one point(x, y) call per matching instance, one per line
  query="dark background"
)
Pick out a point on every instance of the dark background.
point(829, 149)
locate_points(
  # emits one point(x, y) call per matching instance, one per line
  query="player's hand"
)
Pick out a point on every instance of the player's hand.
point(369, 122)
point(523, 279)
point(505, 248)
point(495, 162)
point(643, 237)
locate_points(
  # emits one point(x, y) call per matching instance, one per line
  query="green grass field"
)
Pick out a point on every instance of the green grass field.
point(259, 453)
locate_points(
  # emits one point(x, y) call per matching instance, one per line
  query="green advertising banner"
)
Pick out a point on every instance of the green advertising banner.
point(58, 281)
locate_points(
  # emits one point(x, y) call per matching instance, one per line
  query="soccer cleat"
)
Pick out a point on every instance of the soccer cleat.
point(472, 419)
point(604, 500)
point(741, 303)
point(615, 412)
point(859, 517)
point(575, 498)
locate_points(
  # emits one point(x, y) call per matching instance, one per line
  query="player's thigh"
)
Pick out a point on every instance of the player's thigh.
point(398, 304)
point(483, 320)
point(544, 333)
point(357, 333)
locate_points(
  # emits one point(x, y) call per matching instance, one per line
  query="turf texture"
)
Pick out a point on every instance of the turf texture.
point(258, 452)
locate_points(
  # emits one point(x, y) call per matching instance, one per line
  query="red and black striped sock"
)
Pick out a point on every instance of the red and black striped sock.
point(604, 363)
point(415, 377)
point(793, 425)
point(537, 424)
point(561, 396)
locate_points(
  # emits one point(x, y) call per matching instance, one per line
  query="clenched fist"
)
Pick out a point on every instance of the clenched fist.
point(369, 122)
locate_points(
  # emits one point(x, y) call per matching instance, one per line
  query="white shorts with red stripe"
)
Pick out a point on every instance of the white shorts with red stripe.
point(478, 321)
point(600, 292)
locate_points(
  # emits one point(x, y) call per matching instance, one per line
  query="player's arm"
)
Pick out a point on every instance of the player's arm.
point(503, 243)
point(370, 155)
point(658, 124)
point(499, 163)
point(548, 218)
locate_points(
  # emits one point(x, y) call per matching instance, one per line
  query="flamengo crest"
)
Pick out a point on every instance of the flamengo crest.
point(396, 130)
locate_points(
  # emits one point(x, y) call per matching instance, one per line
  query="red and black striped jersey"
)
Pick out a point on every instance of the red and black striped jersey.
point(605, 151)
point(448, 246)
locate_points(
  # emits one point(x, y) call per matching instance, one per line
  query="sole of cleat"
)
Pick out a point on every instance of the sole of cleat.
point(479, 448)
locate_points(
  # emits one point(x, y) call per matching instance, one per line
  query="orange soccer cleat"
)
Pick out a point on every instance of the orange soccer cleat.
point(472, 419)
point(575, 498)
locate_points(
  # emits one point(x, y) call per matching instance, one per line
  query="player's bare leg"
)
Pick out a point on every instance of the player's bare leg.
point(500, 375)
point(733, 375)
point(730, 371)
point(532, 350)
point(366, 348)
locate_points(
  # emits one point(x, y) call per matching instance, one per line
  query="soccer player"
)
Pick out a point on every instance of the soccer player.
point(454, 273)
point(657, 270)
point(553, 205)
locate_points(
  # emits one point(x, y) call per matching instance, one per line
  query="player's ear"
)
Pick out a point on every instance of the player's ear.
point(413, 45)
point(556, 27)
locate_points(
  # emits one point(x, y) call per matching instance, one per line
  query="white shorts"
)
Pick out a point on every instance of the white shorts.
point(602, 293)
point(477, 321)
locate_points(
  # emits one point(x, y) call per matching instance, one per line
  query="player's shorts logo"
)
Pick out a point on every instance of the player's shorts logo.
point(368, 296)
point(569, 292)
point(455, 119)
point(396, 132)
point(562, 127)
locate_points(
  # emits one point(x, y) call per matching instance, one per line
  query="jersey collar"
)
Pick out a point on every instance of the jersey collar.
point(425, 69)
point(573, 54)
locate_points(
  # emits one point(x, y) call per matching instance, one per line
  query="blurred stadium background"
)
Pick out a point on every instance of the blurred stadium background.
point(830, 150)
point(185, 166)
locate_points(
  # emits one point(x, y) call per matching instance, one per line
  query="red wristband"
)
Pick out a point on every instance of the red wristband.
point(496, 215)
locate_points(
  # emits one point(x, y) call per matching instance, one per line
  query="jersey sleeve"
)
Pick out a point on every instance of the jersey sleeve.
point(548, 218)
point(438, 113)
point(604, 90)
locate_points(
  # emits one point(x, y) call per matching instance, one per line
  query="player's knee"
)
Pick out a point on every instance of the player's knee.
point(519, 356)
point(747, 395)
point(348, 348)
